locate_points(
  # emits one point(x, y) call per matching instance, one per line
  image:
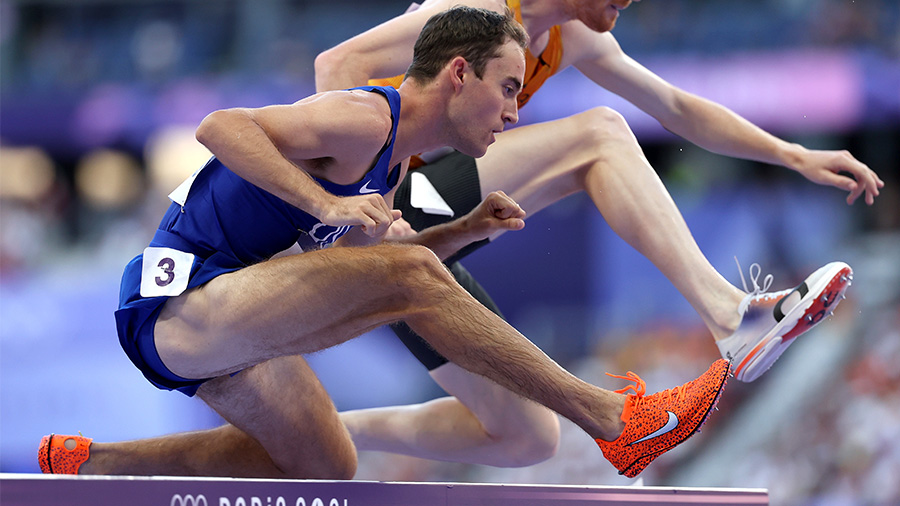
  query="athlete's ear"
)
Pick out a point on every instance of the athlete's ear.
point(458, 69)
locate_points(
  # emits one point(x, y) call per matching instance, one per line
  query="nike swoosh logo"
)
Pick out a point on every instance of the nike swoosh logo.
point(365, 189)
point(670, 425)
point(778, 312)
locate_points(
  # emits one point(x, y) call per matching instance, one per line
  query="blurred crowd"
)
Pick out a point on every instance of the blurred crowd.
point(98, 101)
point(51, 45)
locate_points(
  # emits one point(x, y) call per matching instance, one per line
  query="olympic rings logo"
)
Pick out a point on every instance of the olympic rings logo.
point(188, 500)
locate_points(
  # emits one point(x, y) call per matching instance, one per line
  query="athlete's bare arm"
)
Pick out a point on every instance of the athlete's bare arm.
point(383, 51)
point(358, 236)
point(706, 123)
point(495, 213)
point(327, 135)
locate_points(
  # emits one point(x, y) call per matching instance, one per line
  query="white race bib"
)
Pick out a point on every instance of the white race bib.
point(424, 196)
point(165, 272)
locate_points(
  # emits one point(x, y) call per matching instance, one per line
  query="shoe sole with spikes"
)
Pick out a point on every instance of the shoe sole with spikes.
point(819, 295)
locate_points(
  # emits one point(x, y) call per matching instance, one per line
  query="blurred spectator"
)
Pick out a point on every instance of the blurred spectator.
point(32, 203)
point(98, 104)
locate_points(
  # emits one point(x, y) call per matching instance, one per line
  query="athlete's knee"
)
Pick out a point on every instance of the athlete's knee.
point(334, 466)
point(413, 267)
point(593, 135)
point(522, 433)
point(547, 443)
point(531, 442)
point(336, 460)
point(604, 125)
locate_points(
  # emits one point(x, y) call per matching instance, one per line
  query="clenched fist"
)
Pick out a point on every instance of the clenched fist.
point(497, 212)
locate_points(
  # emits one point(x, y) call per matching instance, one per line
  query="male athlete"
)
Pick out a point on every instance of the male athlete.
point(595, 152)
point(207, 310)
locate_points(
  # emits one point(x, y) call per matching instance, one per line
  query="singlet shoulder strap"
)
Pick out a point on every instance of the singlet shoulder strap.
point(538, 68)
point(380, 170)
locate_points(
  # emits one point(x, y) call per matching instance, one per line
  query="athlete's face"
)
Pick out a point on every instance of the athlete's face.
point(486, 105)
point(599, 15)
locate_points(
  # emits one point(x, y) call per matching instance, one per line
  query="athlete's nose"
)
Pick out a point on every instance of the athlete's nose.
point(512, 115)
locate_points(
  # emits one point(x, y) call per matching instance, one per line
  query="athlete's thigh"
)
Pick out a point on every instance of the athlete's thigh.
point(286, 306)
point(537, 164)
point(282, 404)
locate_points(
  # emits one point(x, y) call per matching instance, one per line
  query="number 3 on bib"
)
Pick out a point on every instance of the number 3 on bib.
point(165, 272)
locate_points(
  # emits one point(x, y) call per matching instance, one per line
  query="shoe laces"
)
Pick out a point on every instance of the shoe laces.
point(639, 388)
point(755, 270)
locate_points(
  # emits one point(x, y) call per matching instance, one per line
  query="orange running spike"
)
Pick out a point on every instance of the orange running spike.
point(63, 454)
point(654, 424)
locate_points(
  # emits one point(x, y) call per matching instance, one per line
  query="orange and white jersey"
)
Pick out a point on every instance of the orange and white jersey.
point(537, 68)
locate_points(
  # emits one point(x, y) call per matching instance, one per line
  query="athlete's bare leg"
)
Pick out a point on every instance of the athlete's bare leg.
point(303, 438)
point(596, 152)
point(538, 165)
point(483, 423)
point(308, 302)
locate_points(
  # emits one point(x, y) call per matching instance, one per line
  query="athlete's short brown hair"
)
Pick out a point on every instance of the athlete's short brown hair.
point(473, 33)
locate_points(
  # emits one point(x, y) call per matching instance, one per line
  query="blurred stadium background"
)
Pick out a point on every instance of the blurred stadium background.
point(98, 105)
